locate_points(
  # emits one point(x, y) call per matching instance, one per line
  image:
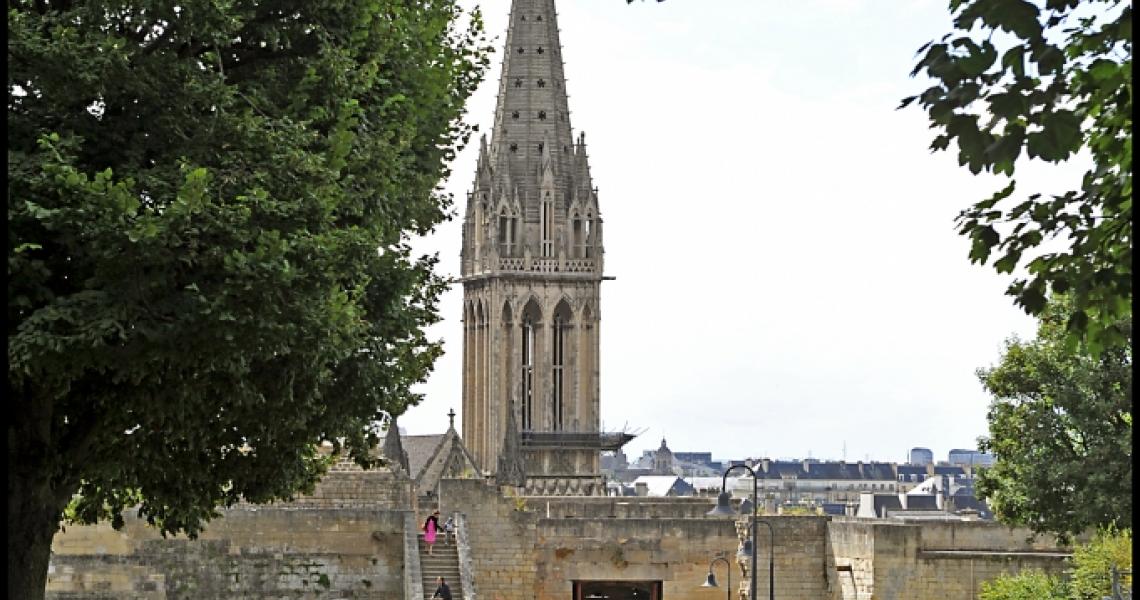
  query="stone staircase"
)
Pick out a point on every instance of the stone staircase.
point(444, 563)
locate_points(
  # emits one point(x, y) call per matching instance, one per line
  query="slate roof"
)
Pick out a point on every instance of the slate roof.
point(921, 502)
point(884, 502)
point(873, 471)
point(420, 449)
point(661, 485)
point(970, 502)
point(834, 508)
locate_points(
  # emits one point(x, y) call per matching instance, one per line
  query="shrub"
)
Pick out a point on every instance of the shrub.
point(1093, 562)
point(1032, 584)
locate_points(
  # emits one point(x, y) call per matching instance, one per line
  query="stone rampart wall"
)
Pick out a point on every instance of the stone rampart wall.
point(518, 553)
point(914, 561)
point(344, 541)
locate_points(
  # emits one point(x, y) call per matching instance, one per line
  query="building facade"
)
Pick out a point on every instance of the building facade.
point(531, 266)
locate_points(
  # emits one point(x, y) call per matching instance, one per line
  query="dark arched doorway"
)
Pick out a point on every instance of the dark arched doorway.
point(617, 590)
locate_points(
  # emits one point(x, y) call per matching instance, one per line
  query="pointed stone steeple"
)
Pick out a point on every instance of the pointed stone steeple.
point(531, 171)
point(531, 268)
point(532, 103)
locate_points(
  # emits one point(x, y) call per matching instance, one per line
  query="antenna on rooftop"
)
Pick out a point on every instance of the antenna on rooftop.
point(844, 450)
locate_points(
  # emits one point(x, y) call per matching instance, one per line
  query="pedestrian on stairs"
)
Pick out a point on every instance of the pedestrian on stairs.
point(442, 591)
point(449, 529)
point(431, 526)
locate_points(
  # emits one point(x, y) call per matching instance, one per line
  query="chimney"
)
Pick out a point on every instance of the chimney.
point(764, 464)
point(807, 465)
point(641, 488)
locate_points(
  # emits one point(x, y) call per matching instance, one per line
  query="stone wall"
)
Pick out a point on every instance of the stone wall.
point(347, 540)
point(521, 553)
point(875, 559)
point(343, 541)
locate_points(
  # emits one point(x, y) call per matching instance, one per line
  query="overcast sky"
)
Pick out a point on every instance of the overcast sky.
point(788, 275)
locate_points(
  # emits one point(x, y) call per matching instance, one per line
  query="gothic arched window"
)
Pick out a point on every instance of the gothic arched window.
point(587, 235)
point(577, 237)
point(508, 233)
point(547, 225)
point(531, 315)
point(557, 364)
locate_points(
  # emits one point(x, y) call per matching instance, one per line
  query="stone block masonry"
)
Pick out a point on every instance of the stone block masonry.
point(346, 540)
point(535, 548)
point(350, 539)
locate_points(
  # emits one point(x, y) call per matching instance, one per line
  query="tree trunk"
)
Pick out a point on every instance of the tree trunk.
point(34, 510)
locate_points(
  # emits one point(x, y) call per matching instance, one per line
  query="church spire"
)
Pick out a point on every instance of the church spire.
point(532, 115)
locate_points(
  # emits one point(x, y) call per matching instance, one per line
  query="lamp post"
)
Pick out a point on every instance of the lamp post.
point(711, 581)
point(723, 509)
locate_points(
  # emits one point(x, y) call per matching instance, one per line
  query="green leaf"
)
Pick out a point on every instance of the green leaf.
point(1014, 60)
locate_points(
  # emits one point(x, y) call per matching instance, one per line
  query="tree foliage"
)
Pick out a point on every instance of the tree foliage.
point(1015, 78)
point(1032, 584)
point(1060, 428)
point(1090, 579)
point(208, 270)
point(1093, 563)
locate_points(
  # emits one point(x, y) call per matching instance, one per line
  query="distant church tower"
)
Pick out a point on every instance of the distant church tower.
point(531, 271)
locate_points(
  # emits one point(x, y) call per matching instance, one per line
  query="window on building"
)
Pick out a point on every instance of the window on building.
point(556, 363)
point(539, 50)
point(542, 115)
point(507, 233)
point(514, 147)
point(527, 373)
point(515, 114)
point(576, 237)
point(521, 50)
point(547, 225)
point(541, 83)
point(518, 82)
point(587, 235)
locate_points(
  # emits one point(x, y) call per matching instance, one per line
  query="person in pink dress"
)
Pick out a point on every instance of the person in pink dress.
point(431, 525)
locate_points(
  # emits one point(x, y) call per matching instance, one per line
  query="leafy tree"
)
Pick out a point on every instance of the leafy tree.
point(1093, 563)
point(1060, 427)
point(1091, 574)
point(208, 270)
point(1032, 584)
point(1017, 78)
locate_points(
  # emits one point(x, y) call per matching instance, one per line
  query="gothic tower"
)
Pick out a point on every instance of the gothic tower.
point(531, 268)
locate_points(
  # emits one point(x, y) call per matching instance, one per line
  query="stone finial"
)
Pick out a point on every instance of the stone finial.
point(510, 468)
point(451, 418)
point(394, 449)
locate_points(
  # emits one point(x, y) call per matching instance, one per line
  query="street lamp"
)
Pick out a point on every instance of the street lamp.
point(711, 581)
point(723, 509)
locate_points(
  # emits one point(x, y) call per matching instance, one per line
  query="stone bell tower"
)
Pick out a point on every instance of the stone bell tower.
point(531, 272)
